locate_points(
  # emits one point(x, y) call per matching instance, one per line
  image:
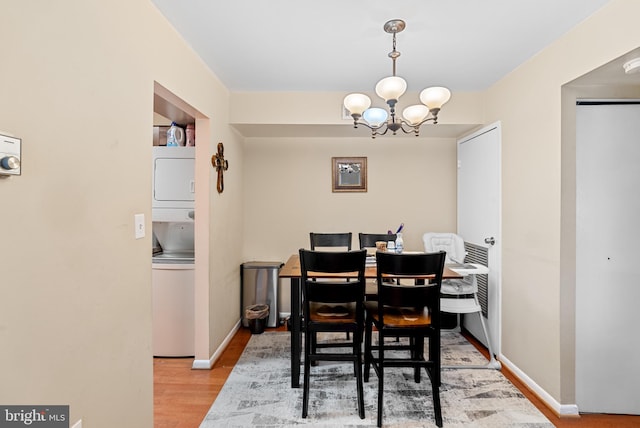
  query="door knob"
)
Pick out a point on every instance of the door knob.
point(490, 241)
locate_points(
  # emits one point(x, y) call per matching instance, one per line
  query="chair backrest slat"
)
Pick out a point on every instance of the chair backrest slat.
point(333, 290)
point(330, 240)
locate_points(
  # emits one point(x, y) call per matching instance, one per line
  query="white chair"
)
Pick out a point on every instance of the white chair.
point(463, 292)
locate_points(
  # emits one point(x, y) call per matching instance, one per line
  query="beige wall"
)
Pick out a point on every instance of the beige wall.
point(77, 86)
point(528, 103)
point(288, 191)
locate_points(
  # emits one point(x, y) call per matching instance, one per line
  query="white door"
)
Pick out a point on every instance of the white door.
point(607, 236)
point(479, 217)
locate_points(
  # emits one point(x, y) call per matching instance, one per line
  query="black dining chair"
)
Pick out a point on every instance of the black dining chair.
point(368, 240)
point(411, 312)
point(330, 240)
point(332, 304)
point(338, 241)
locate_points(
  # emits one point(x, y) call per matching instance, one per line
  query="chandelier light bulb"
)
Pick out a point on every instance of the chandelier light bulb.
point(391, 88)
point(357, 103)
point(435, 97)
point(375, 116)
point(415, 114)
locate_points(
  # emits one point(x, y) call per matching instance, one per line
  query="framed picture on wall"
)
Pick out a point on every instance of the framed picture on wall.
point(349, 174)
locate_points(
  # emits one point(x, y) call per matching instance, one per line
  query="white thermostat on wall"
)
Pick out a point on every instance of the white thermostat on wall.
point(10, 155)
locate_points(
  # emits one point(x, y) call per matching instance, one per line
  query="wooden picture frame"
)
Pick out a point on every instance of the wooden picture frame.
point(349, 174)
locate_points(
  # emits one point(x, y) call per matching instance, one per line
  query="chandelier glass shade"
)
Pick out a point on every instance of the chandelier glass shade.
point(390, 89)
point(375, 116)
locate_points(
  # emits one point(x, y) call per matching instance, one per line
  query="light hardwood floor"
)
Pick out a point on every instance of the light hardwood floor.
point(183, 396)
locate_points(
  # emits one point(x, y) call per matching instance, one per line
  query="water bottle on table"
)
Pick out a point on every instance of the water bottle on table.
point(399, 243)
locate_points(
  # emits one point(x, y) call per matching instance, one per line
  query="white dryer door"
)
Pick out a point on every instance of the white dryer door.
point(174, 180)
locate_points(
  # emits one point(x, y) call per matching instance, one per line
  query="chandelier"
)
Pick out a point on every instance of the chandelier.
point(390, 89)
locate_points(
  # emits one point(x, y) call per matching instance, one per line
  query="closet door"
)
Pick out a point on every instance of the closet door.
point(607, 236)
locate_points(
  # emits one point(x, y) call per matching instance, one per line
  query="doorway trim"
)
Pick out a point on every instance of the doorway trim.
point(174, 105)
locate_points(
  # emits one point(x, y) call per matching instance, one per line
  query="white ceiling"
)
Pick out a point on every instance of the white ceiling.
point(331, 45)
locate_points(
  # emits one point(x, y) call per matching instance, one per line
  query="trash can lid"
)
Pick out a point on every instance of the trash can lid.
point(258, 265)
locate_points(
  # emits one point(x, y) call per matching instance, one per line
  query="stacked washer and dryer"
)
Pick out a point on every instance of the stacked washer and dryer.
point(173, 268)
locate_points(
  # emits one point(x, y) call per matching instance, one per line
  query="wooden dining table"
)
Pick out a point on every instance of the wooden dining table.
point(291, 270)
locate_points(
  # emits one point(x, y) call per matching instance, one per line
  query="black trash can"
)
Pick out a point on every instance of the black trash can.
point(256, 316)
point(448, 321)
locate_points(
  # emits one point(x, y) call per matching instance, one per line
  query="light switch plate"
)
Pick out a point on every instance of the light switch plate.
point(10, 147)
point(138, 221)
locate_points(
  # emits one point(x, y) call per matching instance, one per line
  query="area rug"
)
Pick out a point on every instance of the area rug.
point(258, 393)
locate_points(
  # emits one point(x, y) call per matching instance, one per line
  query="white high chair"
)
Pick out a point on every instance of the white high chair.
point(463, 292)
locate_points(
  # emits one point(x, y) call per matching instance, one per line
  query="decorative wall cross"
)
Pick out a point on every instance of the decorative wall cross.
point(221, 165)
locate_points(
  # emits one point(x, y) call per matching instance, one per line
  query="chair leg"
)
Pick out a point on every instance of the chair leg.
point(367, 350)
point(357, 338)
point(413, 350)
point(435, 356)
point(380, 378)
point(435, 374)
point(307, 368)
point(437, 410)
point(357, 351)
point(418, 355)
point(314, 348)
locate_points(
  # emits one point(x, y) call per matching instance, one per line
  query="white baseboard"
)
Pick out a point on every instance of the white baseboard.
point(207, 364)
point(552, 403)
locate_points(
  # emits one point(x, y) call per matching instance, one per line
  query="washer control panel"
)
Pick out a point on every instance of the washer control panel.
point(10, 155)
